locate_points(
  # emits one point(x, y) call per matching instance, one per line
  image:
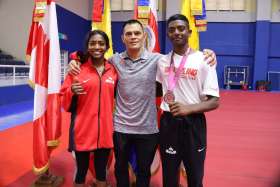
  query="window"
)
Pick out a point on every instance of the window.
point(225, 5)
point(64, 63)
point(124, 5)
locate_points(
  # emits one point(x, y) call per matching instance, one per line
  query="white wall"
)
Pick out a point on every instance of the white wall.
point(79, 7)
point(275, 17)
point(15, 20)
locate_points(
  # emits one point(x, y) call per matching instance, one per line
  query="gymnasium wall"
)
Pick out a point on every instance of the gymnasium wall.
point(73, 27)
point(233, 42)
point(274, 47)
point(233, 47)
point(245, 38)
point(15, 21)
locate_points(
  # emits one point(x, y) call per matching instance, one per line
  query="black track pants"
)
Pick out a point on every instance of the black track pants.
point(182, 139)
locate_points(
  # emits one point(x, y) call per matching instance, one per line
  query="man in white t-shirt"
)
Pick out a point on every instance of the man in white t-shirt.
point(190, 88)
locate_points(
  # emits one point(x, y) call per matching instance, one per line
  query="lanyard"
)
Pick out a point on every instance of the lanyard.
point(174, 76)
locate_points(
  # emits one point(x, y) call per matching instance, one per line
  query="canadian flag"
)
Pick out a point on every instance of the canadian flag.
point(45, 77)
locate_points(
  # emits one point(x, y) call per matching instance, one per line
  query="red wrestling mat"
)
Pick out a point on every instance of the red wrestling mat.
point(16, 154)
point(243, 146)
point(243, 140)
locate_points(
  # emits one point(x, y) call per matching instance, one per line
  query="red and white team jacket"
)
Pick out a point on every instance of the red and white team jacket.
point(92, 113)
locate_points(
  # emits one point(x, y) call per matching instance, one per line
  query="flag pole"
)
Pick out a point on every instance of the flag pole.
point(48, 180)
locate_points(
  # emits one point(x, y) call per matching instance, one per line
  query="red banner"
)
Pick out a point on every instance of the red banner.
point(97, 10)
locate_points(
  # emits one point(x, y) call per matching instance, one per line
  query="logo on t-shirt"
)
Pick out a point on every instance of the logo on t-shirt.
point(110, 80)
point(188, 73)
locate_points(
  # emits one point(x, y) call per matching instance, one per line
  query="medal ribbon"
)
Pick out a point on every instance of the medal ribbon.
point(174, 76)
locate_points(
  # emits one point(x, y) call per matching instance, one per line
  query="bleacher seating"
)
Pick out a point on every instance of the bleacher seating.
point(5, 56)
point(7, 59)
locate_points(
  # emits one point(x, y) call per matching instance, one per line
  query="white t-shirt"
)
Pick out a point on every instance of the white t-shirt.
point(197, 79)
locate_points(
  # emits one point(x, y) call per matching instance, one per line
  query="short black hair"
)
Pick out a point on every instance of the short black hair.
point(178, 17)
point(130, 22)
point(95, 32)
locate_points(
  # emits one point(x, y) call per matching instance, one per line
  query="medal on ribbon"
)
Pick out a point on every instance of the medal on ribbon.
point(169, 97)
point(173, 77)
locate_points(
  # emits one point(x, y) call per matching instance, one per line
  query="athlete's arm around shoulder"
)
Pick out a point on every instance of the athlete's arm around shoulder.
point(161, 60)
point(115, 58)
point(210, 57)
point(74, 67)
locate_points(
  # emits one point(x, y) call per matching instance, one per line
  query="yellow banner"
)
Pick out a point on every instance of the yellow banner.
point(40, 10)
point(143, 12)
point(186, 10)
point(105, 25)
point(196, 7)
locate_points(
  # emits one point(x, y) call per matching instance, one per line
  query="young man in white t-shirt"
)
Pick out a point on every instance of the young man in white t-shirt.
point(190, 88)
